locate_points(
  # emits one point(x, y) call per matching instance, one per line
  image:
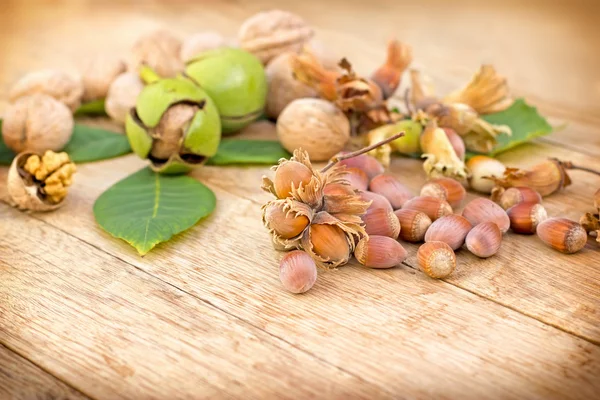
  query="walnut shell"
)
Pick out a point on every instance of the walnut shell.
point(314, 125)
point(270, 33)
point(23, 191)
point(37, 123)
point(160, 51)
point(283, 87)
point(199, 43)
point(98, 74)
point(57, 84)
point(122, 95)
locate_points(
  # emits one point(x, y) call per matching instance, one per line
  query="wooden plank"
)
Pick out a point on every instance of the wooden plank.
point(397, 328)
point(22, 380)
point(103, 326)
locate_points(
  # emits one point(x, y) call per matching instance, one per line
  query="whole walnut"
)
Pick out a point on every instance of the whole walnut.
point(199, 43)
point(160, 51)
point(121, 96)
point(37, 123)
point(98, 73)
point(283, 87)
point(270, 33)
point(315, 125)
point(57, 84)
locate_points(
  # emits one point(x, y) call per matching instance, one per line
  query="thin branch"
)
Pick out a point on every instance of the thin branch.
point(337, 159)
point(570, 165)
point(407, 104)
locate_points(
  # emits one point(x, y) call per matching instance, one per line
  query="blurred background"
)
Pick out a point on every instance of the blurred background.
point(547, 49)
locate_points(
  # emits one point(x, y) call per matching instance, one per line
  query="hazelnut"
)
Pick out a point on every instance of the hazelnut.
point(337, 189)
point(122, 95)
point(447, 189)
point(451, 229)
point(525, 217)
point(484, 239)
point(391, 188)
point(413, 224)
point(283, 87)
point(297, 271)
point(456, 141)
point(357, 178)
point(39, 183)
point(37, 123)
point(97, 76)
point(379, 252)
point(316, 126)
point(329, 242)
point(368, 164)
point(377, 200)
point(268, 34)
point(198, 43)
point(283, 221)
point(381, 222)
point(562, 234)
point(160, 51)
point(511, 196)
point(483, 210)
point(434, 208)
point(55, 84)
point(291, 174)
point(480, 169)
point(436, 259)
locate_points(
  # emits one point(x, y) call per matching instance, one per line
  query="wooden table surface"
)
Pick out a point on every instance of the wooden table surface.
point(204, 316)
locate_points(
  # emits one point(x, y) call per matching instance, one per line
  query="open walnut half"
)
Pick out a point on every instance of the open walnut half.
point(39, 183)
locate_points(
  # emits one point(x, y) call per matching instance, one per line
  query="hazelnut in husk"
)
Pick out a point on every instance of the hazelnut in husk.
point(39, 183)
point(175, 125)
point(56, 84)
point(37, 123)
point(236, 82)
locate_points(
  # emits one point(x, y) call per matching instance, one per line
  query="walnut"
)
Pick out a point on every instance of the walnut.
point(270, 33)
point(160, 51)
point(283, 87)
point(57, 84)
point(199, 43)
point(314, 125)
point(37, 123)
point(40, 183)
point(122, 95)
point(98, 73)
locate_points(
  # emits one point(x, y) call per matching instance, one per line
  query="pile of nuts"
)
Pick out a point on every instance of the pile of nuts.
point(391, 213)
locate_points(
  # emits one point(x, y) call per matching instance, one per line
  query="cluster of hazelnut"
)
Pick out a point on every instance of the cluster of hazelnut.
point(389, 211)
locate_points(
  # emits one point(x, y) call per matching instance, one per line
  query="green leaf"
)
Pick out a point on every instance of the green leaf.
point(94, 144)
point(87, 144)
point(147, 208)
point(524, 120)
point(245, 151)
point(92, 108)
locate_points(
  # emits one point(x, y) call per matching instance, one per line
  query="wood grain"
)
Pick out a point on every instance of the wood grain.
point(204, 315)
point(22, 380)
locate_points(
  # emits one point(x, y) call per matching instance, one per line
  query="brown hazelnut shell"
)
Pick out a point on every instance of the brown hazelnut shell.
point(525, 217)
point(413, 224)
point(447, 189)
point(379, 252)
point(392, 189)
point(484, 240)
point(451, 229)
point(483, 210)
point(562, 234)
point(434, 208)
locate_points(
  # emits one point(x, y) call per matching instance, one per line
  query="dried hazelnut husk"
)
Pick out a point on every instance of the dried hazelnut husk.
point(98, 74)
point(487, 92)
point(387, 76)
point(122, 95)
point(440, 158)
point(422, 92)
point(56, 84)
point(158, 50)
point(591, 223)
point(283, 87)
point(477, 134)
point(39, 183)
point(200, 42)
point(268, 34)
point(37, 123)
point(175, 125)
point(286, 220)
point(546, 178)
point(314, 125)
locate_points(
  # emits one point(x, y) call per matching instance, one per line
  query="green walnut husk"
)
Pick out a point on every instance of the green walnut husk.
point(175, 125)
point(235, 80)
